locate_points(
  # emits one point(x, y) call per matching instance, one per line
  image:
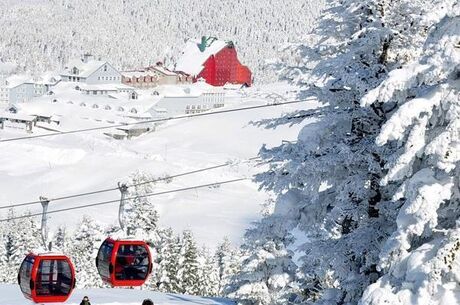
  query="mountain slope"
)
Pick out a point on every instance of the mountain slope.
point(42, 35)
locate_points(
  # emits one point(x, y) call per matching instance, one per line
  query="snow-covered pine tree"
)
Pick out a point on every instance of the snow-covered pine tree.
point(141, 217)
point(60, 239)
point(420, 262)
point(3, 256)
point(168, 262)
point(267, 274)
point(228, 264)
point(208, 275)
point(329, 180)
point(188, 272)
point(83, 250)
point(22, 237)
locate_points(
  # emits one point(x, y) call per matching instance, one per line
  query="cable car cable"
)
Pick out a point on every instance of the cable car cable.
point(129, 198)
point(130, 185)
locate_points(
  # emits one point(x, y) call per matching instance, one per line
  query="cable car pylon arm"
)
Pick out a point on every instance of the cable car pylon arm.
point(123, 191)
point(44, 226)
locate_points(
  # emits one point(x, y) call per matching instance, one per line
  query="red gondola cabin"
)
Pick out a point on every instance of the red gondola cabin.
point(46, 278)
point(215, 61)
point(124, 262)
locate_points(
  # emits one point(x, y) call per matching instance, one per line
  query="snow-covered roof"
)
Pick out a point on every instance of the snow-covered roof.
point(85, 68)
point(192, 59)
point(139, 73)
point(149, 71)
point(14, 116)
point(104, 87)
point(48, 78)
point(164, 70)
point(16, 80)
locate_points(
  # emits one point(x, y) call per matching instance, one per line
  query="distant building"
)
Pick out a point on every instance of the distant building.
point(17, 89)
point(108, 89)
point(154, 76)
point(90, 71)
point(192, 99)
point(215, 61)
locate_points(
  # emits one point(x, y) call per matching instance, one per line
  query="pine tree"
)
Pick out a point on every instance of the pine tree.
point(83, 250)
point(228, 264)
point(422, 171)
point(208, 275)
point(3, 257)
point(188, 272)
point(332, 181)
point(168, 262)
point(60, 239)
point(22, 237)
point(141, 217)
point(267, 275)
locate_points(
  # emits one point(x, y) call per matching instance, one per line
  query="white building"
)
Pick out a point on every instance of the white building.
point(191, 99)
point(20, 89)
point(114, 90)
point(90, 71)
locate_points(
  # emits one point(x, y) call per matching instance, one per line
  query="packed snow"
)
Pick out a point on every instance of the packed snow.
point(11, 295)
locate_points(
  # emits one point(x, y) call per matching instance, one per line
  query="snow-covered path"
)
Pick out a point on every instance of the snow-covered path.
point(11, 295)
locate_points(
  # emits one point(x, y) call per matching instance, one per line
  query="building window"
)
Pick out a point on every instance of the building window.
point(105, 68)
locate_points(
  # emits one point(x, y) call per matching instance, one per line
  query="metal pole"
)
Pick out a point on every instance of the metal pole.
point(123, 190)
point(44, 229)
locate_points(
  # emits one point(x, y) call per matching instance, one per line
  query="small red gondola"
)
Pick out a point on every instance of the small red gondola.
point(124, 262)
point(46, 278)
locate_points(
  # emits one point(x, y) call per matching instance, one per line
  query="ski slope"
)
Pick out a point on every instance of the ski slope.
point(11, 295)
point(69, 164)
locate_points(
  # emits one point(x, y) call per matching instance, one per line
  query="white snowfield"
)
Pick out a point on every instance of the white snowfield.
point(11, 295)
point(69, 164)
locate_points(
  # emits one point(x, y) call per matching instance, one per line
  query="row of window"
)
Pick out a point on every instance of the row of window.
point(191, 109)
point(108, 78)
point(145, 79)
point(107, 107)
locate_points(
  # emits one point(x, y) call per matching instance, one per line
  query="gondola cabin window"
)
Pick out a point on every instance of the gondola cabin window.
point(53, 277)
point(25, 274)
point(104, 258)
point(132, 263)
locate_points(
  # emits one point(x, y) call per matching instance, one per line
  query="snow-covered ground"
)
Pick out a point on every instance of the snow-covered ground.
point(69, 164)
point(11, 295)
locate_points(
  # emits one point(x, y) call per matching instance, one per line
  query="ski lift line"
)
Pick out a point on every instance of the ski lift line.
point(152, 121)
point(130, 185)
point(129, 198)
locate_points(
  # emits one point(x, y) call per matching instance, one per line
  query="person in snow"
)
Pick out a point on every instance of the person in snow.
point(85, 301)
point(147, 302)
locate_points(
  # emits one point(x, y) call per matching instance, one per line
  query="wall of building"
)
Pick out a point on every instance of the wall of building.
point(224, 67)
point(105, 75)
point(191, 105)
point(22, 93)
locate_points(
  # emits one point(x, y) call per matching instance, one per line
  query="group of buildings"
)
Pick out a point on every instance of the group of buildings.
point(193, 86)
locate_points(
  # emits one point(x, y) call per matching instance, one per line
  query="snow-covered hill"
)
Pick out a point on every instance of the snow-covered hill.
point(11, 295)
point(77, 163)
point(42, 34)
